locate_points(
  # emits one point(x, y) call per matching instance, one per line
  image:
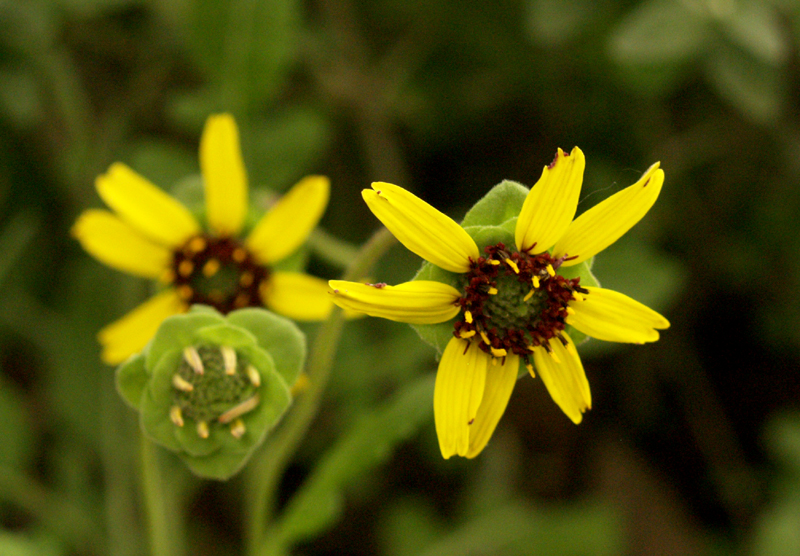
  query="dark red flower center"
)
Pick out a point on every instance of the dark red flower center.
point(514, 302)
point(219, 272)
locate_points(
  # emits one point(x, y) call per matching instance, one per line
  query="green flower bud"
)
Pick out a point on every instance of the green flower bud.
point(210, 387)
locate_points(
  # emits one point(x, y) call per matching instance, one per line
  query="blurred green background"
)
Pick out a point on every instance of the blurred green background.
point(693, 445)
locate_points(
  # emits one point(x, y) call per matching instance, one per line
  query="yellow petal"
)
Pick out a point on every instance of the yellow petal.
point(614, 317)
point(605, 223)
point(563, 375)
point(224, 175)
point(418, 302)
point(421, 228)
point(457, 395)
point(500, 380)
point(130, 334)
point(144, 206)
point(115, 243)
point(287, 225)
point(297, 296)
point(551, 203)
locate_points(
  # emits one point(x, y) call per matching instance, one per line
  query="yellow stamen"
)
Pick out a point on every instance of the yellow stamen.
point(570, 310)
point(513, 266)
point(193, 359)
point(528, 295)
point(239, 410)
point(498, 352)
point(535, 281)
point(468, 317)
point(181, 383)
point(531, 347)
point(239, 255)
point(229, 359)
point(242, 300)
point(202, 429)
point(185, 268)
point(466, 334)
point(554, 356)
point(238, 429)
point(253, 375)
point(485, 338)
point(492, 291)
point(301, 384)
point(167, 277)
point(494, 262)
point(210, 268)
point(577, 297)
point(550, 270)
point(196, 244)
point(246, 279)
point(176, 416)
point(185, 292)
point(530, 369)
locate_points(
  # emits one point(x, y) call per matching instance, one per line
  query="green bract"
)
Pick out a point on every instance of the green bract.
point(492, 220)
point(210, 387)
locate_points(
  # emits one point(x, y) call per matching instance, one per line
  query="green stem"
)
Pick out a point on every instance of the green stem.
point(156, 501)
point(265, 473)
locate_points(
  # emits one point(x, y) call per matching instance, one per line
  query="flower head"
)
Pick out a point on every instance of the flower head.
point(520, 301)
point(148, 233)
point(210, 388)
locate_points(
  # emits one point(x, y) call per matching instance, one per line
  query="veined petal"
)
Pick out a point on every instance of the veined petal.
point(224, 175)
point(606, 222)
point(287, 225)
point(457, 395)
point(614, 317)
point(421, 228)
point(115, 243)
point(418, 302)
point(551, 203)
point(130, 334)
point(297, 296)
point(146, 207)
point(563, 375)
point(500, 380)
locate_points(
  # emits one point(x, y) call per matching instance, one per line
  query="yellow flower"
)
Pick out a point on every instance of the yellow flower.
point(151, 234)
point(513, 305)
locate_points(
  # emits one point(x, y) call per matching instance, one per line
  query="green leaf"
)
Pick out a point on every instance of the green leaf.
point(132, 380)
point(278, 336)
point(503, 202)
point(18, 544)
point(318, 503)
point(15, 427)
point(659, 32)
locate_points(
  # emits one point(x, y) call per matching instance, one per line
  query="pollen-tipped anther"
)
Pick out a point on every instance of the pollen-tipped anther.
point(466, 334)
point(238, 429)
point(185, 268)
point(492, 291)
point(211, 268)
point(550, 270)
point(253, 375)
point(239, 410)
point(498, 352)
point(193, 359)
point(512, 265)
point(229, 359)
point(202, 429)
point(528, 295)
point(530, 369)
point(468, 316)
point(535, 281)
point(485, 338)
point(176, 416)
point(181, 383)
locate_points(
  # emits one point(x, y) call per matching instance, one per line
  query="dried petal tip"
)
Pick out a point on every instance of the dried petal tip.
point(193, 359)
point(229, 358)
point(238, 428)
point(181, 383)
point(176, 416)
point(252, 374)
point(202, 429)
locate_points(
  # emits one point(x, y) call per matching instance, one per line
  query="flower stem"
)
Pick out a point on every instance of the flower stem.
point(265, 473)
point(157, 502)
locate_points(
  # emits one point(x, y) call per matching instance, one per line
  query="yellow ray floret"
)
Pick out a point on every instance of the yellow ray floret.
point(614, 317)
point(459, 389)
point(297, 296)
point(117, 244)
point(288, 224)
point(148, 209)
point(435, 237)
point(224, 175)
point(551, 203)
point(606, 222)
point(500, 382)
point(419, 302)
point(564, 377)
